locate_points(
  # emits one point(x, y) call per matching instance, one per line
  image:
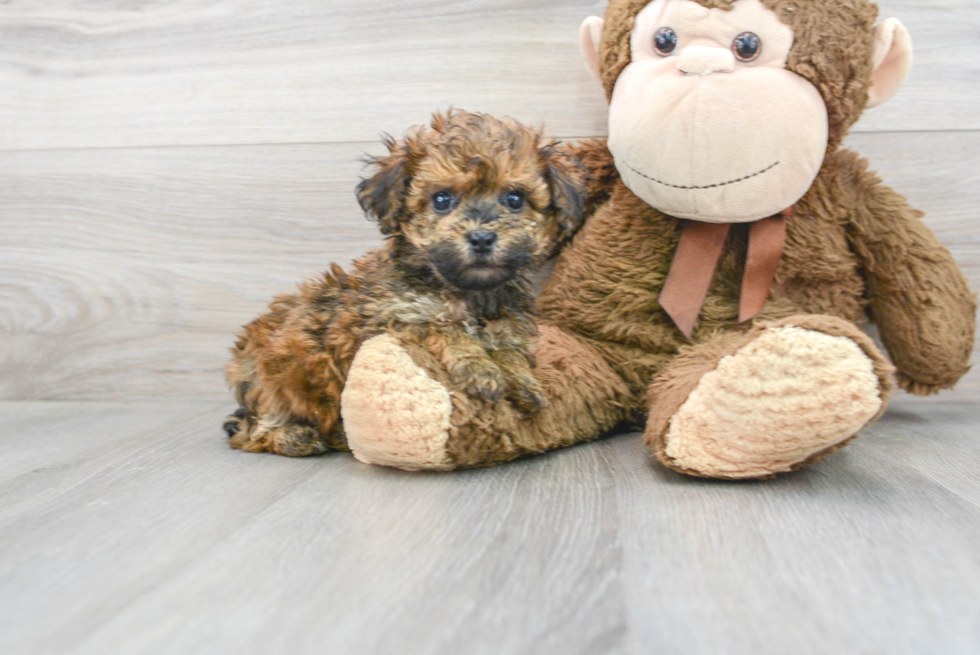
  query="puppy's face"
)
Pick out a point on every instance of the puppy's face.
point(480, 212)
point(480, 199)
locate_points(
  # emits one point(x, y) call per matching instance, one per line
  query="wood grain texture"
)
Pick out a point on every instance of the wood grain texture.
point(124, 274)
point(859, 555)
point(76, 73)
point(147, 262)
point(134, 529)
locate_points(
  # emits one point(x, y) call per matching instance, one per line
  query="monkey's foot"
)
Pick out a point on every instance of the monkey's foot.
point(784, 396)
point(394, 413)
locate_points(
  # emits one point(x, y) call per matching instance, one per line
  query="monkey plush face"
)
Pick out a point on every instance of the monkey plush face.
point(718, 113)
point(706, 122)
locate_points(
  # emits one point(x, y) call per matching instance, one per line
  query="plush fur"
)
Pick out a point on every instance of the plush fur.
point(812, 380)
point(846, 256)
point(450, 279)
point(609, 354)
point(854, 247)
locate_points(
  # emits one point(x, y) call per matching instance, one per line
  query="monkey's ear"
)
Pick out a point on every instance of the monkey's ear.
point(382, 196)
point(892, 61)
point(568, 179)
point(589, 39)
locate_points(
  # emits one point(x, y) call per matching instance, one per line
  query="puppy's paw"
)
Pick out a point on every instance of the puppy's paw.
point(235, 423)
point(480, 378)
point(526, 395)
point(298, 441)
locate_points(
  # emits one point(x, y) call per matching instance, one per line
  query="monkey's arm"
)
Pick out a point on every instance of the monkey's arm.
point(595, 156)
point(920, 300)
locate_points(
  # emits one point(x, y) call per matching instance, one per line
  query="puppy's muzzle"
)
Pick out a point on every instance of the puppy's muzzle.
point(481, 241)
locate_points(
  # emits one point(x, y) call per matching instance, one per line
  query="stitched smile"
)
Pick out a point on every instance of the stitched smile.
point(709, 186)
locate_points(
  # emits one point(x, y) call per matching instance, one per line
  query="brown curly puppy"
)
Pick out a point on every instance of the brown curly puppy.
point(468, 204)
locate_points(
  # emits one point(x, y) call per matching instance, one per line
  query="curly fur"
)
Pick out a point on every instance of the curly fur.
point(429, 285)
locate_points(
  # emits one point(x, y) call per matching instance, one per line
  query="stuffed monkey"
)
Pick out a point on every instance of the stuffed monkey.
point(715, 294)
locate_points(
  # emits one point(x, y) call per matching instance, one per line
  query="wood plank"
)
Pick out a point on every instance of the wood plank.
point(39, 440)
point(859, 554)
point(125, 274)
point(267, 554)
point(103, 524)
point(921, 439)
point(176, 544)
point(307, 71)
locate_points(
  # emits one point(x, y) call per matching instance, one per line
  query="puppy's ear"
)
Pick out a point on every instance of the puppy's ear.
point(382, 196)
point(568, 179)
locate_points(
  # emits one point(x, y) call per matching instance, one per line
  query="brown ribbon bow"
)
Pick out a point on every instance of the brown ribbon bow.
point(698, 252)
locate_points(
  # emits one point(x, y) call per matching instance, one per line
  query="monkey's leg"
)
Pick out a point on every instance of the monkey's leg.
point(400, 410)
point(782, 396)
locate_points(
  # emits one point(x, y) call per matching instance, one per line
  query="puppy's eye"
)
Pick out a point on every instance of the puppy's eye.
point(515, 200)
point(442, 202)
point(665, 41)
point(747, 47)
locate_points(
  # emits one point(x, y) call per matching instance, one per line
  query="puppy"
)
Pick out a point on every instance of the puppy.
point(468, 205)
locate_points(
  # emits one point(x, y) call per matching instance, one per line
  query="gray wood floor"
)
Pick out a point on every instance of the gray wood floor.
point(131, 528)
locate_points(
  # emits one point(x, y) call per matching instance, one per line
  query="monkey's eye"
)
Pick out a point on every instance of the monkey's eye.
point(514, 200)
point(442, 202)
point(665, 41)
point(747, 47)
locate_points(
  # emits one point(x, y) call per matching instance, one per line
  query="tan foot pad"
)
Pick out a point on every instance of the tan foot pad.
point(786, 396)
point(394, 413)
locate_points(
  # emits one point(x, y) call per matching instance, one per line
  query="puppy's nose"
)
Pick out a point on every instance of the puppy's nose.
point(481, 241)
